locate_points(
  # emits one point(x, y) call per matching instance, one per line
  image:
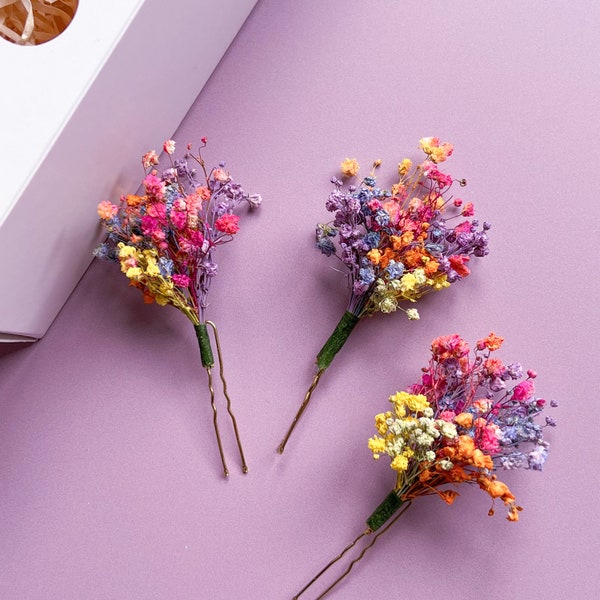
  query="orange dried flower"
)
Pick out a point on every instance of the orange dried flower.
point(481, 460)
point(133, 200)
point(431, 268)
point(465, 447)
point(491, 342)
point(413, 258)
point(448, 496)
point(464, 420)
point(496, 489)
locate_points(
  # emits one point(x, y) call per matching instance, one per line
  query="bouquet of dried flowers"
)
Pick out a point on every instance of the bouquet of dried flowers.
point(395, 245)
point(470, 416)
point(165, 239)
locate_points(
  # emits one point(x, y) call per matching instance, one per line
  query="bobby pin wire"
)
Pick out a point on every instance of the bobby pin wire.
point(367, 532)
point(301, 410)
point(209, 364)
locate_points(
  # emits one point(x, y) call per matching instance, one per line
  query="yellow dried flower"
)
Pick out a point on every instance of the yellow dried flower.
point(350, 167)
point(404, 167)
point(380, 422)
point(400, 463)
point(133, 273)
point(377, 446)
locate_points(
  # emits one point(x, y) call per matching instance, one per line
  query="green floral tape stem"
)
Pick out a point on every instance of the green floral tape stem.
point(384, 511)
point(337, 339)
point(206, 353)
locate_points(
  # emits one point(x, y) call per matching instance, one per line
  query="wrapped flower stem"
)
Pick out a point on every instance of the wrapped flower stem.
point(396, 245)
point(337, 339)
point(469, 417)
point(164, 242)
point(332, 346)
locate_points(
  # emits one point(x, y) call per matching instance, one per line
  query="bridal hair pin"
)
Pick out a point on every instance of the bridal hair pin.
point(395, 245)
point(164, 241)
point(469, 417)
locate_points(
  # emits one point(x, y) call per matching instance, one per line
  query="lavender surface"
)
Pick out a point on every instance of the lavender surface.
point(109, 475)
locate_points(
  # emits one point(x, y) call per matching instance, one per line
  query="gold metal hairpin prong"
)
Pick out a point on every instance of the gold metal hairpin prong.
point(331, 563)
point(357, 559)
point(301, 410)
point(229, 410)
point(212, 403)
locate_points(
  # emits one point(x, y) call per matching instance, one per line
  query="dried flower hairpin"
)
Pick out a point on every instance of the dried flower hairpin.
point(164, 241)
point(396, 245)
point(469, 416)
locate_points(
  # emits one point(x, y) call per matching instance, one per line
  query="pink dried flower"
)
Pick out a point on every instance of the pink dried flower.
point(178, 218)
point(149, 159)
point(486, 436)
point(523, 391)
point(447, 415)
point(458, 263)
point(468, 210)
point(494, 367)
point(154, 186)
point(157, 210)
point(228, 223)
point(169, 146)
point(449, 346)
point(221, 175)
point(107, 210)
point(181, 280)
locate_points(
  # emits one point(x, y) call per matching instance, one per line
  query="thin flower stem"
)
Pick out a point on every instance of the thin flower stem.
point(331, 563)
point(364, 551)
point(301, 410)
point(200, 161)
point(233, 420)
point(212, 403)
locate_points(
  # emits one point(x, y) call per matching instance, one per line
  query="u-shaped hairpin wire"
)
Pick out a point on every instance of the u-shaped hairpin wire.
point(365, 533)
point(208, 363)
point(301, 410)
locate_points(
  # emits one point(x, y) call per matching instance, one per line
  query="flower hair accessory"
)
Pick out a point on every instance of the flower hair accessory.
point(165, 239)
point(469, 417)
point(395, 245)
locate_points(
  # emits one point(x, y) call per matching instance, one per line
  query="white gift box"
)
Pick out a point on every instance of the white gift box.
point(75, 114)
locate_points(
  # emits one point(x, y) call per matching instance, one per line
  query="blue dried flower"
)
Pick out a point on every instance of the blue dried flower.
point(382, 217)
point(101, 251)
point(395, 269)
point(367, 275)
point(364, 195)
point(537, 457)
point(371, 240)
point(326, 246)
point(165, 266)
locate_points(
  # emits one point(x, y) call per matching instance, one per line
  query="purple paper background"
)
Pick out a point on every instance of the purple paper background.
point(110, 483)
